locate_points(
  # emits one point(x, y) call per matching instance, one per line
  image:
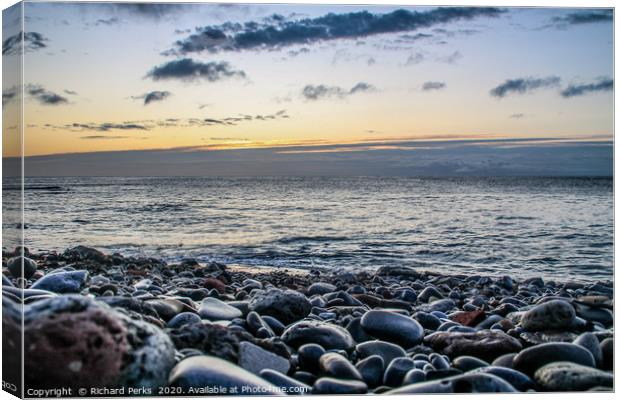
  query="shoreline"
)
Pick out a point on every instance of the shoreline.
point(397, 330)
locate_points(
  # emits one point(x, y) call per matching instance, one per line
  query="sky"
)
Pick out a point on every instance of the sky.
point(199, 89)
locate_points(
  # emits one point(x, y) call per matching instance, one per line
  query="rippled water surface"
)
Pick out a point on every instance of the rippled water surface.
point(559, 228)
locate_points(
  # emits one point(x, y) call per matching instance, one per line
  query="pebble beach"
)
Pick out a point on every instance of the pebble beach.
point(100, 324)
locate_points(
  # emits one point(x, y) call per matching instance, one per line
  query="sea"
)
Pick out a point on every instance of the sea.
point(557, 228)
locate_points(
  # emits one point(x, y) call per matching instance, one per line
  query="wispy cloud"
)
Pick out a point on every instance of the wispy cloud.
point(155, 95)
point(433, 85)
point(317, 92)
point(523, 85)
point(44, 96)
point(32, 41)
point(281, 32)
point(604, 85)
point(582, 18)
point(517, 116)
point(187, 69)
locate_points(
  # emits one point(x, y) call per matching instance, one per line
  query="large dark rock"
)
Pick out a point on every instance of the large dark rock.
point(330, 336)
point(519, 380)
point(337, 366)
point(570, 377)
point(73, 342)
point(287, 306)
point(371, 368)
point(532, 358)
point(590, 342)
point(485, 344)
point(552, 315)
point(212, 339)
point(393, 327)
point(254, 359)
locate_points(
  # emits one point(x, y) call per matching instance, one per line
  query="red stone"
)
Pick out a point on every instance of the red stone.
point(468, 318)
point(212, 283)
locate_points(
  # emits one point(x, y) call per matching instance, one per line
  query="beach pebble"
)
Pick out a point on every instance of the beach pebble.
point(254, 359)
point(210, 338)
point(14, 265)
point(276, 326)
point(387, 351)
point(607, 348)
point(486, 345)
point(337, 366)
point(321, 288)
point(62, 282)
point(427, 320)
point(198, 373)
point(552, 315)
point(443, 305)
point(532, 358)
point(86, 253)
point(590, 342)
point(517, 379)
point(308, 356)
point(289, 385)
point(428, 293)
point(215, 310)
point(329, 336)
point(504, 361)
point(183, 319)
point(570, 377)
point(327, 385)
point(595, 314)
point(468, 363)
point(468, 383)
point(396, 371)
point(372, 369)
point(413, 376)
point(392, 327)
point(287, 306)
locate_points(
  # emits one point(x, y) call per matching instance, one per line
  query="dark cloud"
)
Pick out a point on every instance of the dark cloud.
point(151, 10)
point(32, 41)
point(603, 85)
point(44, 96)
point(105, 126)
point(281, 33)
point(70, 92)
point(584, 17)
point(147, 125)
point(517, 116)
point(187, 69)
point(8, 95)
point(523, 85)
point(450, 58)
point(433, 85)
point(155, 95)
point(96, 137)
point(317, 92)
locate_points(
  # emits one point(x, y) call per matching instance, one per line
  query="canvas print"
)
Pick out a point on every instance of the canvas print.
point(306, 199)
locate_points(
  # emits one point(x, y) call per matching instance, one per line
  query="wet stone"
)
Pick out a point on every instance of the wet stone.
point(308, 356)
point(337, 366)
point(517, 379)
point(607, 348)
point(392, 327)
point(590, 342)
point(254, 359)
point(290, 385)
point(287, 306)
point(396, 371)
point(551, 315)
point(468, 383)
point(194, 374)
point(568, 377)
point(387, 351)
point(372, 369)
point(62, 282)
point(183, 319)
point(215, 310)
point(328, 385)
point(486, 345)
point(329, 336)
point(532, 358)
point(468, 363)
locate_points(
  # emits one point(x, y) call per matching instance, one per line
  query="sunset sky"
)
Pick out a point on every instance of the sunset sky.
point(320, 79)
